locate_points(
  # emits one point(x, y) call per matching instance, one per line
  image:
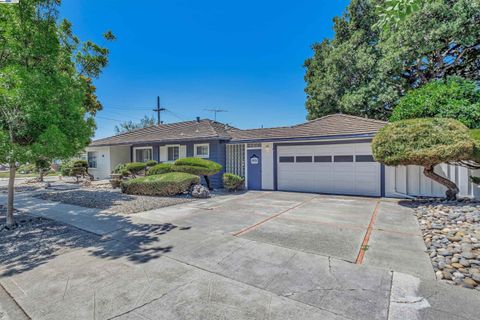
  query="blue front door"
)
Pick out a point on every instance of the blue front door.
point(254, 169)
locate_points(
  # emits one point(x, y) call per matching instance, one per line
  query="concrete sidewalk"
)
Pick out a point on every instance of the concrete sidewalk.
point(184, 262)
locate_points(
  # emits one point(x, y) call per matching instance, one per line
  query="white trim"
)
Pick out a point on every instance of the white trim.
point(141, 148)
point(201, 145)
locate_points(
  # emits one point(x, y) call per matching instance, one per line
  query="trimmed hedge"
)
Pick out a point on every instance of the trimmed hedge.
point(167, 184)
point(197, 166)
point(135, 167)
point(151, 163)
point(232, 181)
point(422, 142)
point(159, 169)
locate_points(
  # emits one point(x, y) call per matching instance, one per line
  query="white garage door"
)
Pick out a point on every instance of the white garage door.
point(335, 168)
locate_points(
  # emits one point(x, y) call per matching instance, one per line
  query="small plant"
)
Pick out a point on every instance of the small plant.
point(26, 168)
point(232, 182)
point(75, 168)
point(475, 180)
point(151, 163)
point(134, 168)
point(167, 184)
point(159, 169)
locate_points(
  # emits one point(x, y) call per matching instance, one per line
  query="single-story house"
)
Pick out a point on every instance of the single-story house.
point(329, 155)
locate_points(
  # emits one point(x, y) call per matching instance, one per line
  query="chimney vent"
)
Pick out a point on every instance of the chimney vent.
point(198, 119)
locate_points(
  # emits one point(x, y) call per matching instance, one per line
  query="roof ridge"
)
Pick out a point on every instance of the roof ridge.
point(342, 115)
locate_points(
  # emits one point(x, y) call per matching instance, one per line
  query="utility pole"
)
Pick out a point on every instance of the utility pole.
point(215, 111)
point(158, 110)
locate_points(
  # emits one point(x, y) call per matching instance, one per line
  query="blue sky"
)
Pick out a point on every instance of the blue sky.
point(243, 56)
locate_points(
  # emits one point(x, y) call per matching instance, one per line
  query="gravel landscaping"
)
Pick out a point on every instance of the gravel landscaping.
point(112, 200)
point(451, 230)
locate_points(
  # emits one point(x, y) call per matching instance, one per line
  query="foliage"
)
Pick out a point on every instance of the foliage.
point(197, 166)
point(129, 126)
point(74, 168)
point(167, 184)
point(135, 168)
point(475, 135)
point(26, 168)
point(423, 142)
point(151, 163)
point(391, 12)
point(47, 97)
point(454, 98)
point(119, 168)
point(159, 169)
point(475, 180)
point(232, 181)
point(364, 71)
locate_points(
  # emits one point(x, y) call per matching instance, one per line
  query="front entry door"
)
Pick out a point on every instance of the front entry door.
point(254, 158)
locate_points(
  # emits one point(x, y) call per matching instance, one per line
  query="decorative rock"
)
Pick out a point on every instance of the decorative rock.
point(439, 275)
point(457, 265)
point(468, 255)
point(464, 262)
point(199, 191)
point(469, 282)
point(476, 277)
point(447, 275)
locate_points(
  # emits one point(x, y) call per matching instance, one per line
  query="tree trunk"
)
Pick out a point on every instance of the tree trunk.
point(41, 174)
point(452, 189)
point(11, 191)
point(207, 180)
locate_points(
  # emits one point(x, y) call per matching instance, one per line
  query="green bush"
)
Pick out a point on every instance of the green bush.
point(74, 167)
point(135, 167)
point(232, 181)
point(159, 169)
point(151, 163)
point(454, 98)
point(26, 168)
point(167, 184)
point(423, 142)
point(197, 166)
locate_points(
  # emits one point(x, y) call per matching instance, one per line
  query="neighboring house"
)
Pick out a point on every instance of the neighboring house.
point(330, 155)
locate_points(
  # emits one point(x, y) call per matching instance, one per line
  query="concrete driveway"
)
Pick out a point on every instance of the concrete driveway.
point(257, 255)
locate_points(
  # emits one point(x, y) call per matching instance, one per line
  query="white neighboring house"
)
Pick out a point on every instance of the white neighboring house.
point(330, 155)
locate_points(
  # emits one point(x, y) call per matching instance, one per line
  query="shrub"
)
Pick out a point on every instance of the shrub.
point(424, 142)
point(167, 184)
point(159, 169)
point(198, 166)
point(26, 168)
point(151, 163)
point(135, 167)
point(454, 98)
point(232, 181)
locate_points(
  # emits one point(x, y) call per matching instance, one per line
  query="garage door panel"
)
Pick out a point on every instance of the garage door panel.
point(335, 170)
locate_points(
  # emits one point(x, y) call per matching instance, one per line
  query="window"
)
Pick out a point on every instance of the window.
point(287, 159)
point(143, 154)
point(304, 159)
point(173, 153)
point(343, 158)
point(364, 158)
point(202, 150)
point(323, 159)
point(92, 159)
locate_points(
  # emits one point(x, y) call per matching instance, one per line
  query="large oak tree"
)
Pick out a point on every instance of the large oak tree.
point(365, 69)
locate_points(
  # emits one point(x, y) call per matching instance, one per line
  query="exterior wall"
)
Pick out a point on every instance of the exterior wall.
point(103, 169)
point(118, 155)
point(268, 166)
point(410, 180)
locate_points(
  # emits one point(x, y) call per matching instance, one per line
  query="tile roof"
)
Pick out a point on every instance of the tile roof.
point(180, 131)
point(331, 125)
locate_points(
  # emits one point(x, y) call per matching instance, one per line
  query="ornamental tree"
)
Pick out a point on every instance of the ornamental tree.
point(455, 98)
point(424, 142)
point(47, 99)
